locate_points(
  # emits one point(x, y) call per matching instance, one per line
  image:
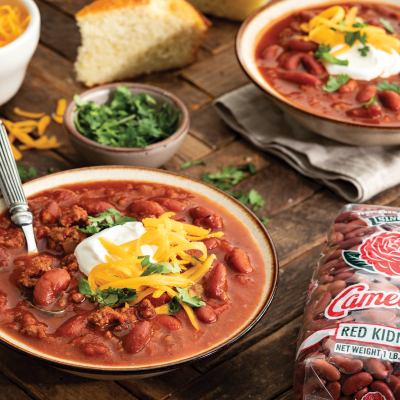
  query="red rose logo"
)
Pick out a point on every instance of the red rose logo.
point(382, 251)
point(373, 396)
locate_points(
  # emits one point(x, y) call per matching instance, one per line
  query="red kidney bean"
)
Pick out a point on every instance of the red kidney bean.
point(211, 243)
point(51, 213)
point(334, 389)
point(347, 244)
point(367, 93)
point(345, 276)
point(337, 238)
point(312, 65)
point(346, 365)
point(390, 100)
point(337, 285)
point(146, 208)
point(378, 316)
point(381, 387)
point(73, 326)
point(364, 231)
point(239, 260)
point(96, 207)
point(388, 365)
point(292, 63)
point(307, 15)
point(216, 285)
point(301, 78)
point(353, 225)
point(206, 314)
point(348, 87)
point(160, 301)
point(371, 111)
point(170, 204)
point(360, 393)
point(394, 384)
point(271, 52)
point(203, 215)
point(138, 337)
point(376, 368)
point(356, 382)
point(324, 302)
point(386, 287)
point(168, 322)
point(312, 384)
point(344, 398)
point(335, 255)
point(347, 217)
point(302, 45)
point(50, 285)
point(325, 370)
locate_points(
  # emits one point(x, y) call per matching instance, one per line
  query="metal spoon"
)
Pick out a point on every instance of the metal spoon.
point(14, 196)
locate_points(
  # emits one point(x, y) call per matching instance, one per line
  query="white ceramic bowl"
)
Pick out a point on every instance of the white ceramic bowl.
point(256, 228)
point(15, 56)
point(153, 156)
point(248, 38)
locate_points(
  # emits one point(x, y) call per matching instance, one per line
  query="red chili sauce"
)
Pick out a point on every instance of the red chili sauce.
point(301, 81)
point(76, 336)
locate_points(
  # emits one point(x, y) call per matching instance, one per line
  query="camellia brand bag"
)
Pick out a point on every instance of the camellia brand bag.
point(349, 343)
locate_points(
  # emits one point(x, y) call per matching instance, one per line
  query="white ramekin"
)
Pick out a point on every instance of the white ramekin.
point(15, 56)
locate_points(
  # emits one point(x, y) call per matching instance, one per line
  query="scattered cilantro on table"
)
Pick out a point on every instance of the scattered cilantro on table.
point(25, 173)
point(189, 163)
point(105, 220)
point(368, 103)
point(264, 220)
point(184, 297)
point(158, 268)
point(107, 297)
point(50, 170)
point(128, 121)
point(335, 83)
point(323, 53)
point(387, 25)
point(393, 86)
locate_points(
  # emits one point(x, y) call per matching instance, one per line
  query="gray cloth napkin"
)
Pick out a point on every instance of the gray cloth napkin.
point(354, 173)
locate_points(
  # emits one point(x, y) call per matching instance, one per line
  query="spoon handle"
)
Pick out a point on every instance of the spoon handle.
point(13, 193)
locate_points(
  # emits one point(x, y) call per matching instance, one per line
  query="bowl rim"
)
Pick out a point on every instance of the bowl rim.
point(33, 25)
point(269, 91)
point(250, 324)
point(181, 130)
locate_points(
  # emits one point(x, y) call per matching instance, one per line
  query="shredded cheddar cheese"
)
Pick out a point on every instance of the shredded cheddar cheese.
point(331, 25)
point(12, 25)
point(173, 239)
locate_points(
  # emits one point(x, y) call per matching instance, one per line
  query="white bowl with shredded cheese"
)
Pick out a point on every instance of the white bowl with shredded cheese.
point(15, 55)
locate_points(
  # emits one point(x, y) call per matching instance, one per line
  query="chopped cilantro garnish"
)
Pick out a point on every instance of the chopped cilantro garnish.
point(158, 268)
point(184, 297)
point(372, 101)
point(189, 163)
point(323, 54)
point(107, 297)
point(25, 173)
point(364, 51)
point(128, 121)
point(351, 37)
point(335, 83)
point(387, 25)
point(393, 86)
point(105, 220)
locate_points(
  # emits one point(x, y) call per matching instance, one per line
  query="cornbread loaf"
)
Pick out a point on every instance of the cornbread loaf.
point(231, 9)
point(126, 38)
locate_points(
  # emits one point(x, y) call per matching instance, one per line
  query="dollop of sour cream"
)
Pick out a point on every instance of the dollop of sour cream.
point(377, 63)
point(91, 252)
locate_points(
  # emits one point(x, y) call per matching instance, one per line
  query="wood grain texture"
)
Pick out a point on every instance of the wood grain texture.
point(70, 6)
point(209, 127)
point(10, 391)
point(288, 304)
point(58, 31)
point(286, 396)
point(162, 386)
point(218, 75)
point(44, 383)
point(271, 373)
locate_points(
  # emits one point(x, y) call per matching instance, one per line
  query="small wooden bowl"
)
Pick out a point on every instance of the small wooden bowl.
point(153, 156)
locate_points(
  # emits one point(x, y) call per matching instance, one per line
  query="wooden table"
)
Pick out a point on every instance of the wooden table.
point(260, 366)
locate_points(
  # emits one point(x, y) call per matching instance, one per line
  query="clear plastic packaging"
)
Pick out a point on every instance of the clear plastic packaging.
point(349, 343)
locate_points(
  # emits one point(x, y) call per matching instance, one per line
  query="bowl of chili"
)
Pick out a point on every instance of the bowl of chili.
point(142, 125)
point(106, 332)
point(275, 50)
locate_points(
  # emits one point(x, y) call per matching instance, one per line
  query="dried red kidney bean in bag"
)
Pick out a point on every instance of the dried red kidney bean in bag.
point(349, 343)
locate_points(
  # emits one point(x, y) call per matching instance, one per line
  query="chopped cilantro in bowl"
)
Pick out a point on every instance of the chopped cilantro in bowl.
point(129, 121)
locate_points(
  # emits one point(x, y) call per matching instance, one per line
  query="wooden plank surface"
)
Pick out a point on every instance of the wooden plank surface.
point(260, 366)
